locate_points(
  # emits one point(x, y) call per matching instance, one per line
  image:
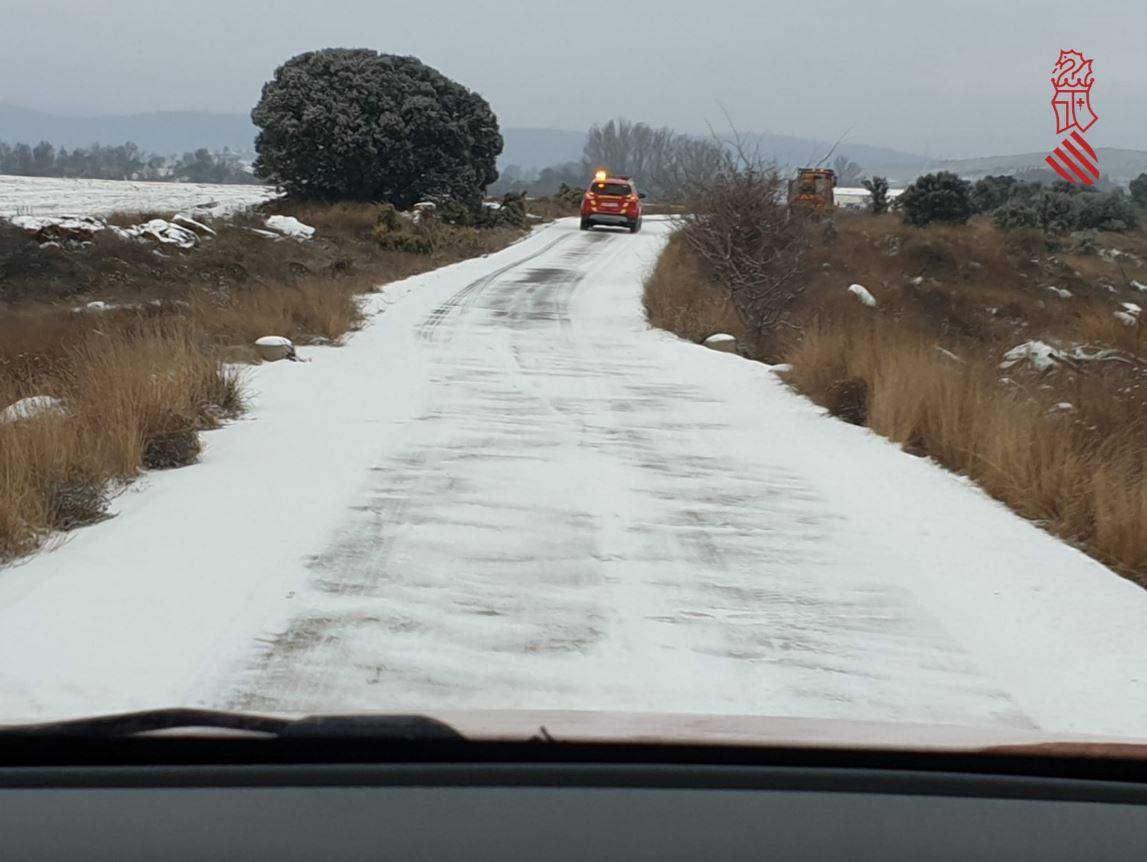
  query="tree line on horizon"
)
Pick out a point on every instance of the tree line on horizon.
point(122, 162)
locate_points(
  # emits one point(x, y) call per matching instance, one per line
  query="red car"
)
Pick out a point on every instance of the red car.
point(611, 201)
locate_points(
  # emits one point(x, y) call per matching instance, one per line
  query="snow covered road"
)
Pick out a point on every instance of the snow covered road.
point(509, 492)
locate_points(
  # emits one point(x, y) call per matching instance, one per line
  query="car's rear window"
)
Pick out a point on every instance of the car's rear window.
point(613, 189)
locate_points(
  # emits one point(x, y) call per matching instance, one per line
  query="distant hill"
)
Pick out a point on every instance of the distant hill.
point(177, 132)
point(164, 132)
point(792, 152)
point(533, 149)
point(1121, 166)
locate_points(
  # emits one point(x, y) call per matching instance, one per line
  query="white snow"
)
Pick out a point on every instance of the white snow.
point(275, 347)
point(862, 294)
point(53, 196)
point(1061, 292)
point(1139, 286)
point(1132, 308)
point(66, 223)
point(188, 221)
point(508, 492)
point(1126, 318)
point(162, 231)
point(33, 407)
point(722, 341)
point(1038, 354)
point(290, 226)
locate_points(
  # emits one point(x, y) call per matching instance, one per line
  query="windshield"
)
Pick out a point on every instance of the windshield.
point(325, 387)
point(611, 189)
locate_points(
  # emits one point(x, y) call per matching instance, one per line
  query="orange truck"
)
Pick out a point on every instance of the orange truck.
point(813, 187)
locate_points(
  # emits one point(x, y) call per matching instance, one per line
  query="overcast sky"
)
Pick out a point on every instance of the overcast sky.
point(954, 79)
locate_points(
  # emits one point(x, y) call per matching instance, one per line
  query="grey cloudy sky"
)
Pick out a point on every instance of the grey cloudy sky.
point(956, 78)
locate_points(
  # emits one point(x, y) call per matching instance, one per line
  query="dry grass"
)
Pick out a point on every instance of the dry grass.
point(971, 293)
point(141, 380)
point(683, 299)
point(126, 395)
point(1052, 466)
point(310, 308)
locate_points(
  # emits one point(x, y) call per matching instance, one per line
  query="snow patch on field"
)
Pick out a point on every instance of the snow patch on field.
point(52, 196)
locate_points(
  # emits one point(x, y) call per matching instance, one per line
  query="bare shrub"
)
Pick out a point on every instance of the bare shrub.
point(740, 227)
point(680, 296)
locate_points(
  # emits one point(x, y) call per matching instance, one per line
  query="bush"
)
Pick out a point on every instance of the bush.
point(572, 195)
point(1138, 189)
point(878, 187)
point(1016, 215)
point(356, 124)
point(398, 232)
point(1108, 211)
point(510, 212)
point(749, 241)
point(1056, 211)
point(937, 197)
point(991, 193)
point(1062, 211)
point(172, 441)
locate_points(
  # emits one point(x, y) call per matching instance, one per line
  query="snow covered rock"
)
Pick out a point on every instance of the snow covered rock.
point(161, 231)
point(1036, 354)
point(197, 226)
point(290, 226)
point(1061, 292)
point(1113, 254)
point(1127, 319)
point(272, 348)
point(33, 407)
point(57, 228)
point(862, 295)
point(1138, 286)
point(423, 209)
point(721, 341)
point(1132, 308)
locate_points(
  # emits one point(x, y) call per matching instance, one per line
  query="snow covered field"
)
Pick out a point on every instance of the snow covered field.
point(508, 492)
point(51, 196)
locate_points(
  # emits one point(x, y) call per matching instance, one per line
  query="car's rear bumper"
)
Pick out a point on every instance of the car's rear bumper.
point(609, 218)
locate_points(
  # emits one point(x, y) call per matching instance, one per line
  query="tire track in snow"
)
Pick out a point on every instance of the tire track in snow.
point(565, 528)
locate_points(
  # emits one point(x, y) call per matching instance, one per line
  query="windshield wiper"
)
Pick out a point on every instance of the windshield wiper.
point(410, 728)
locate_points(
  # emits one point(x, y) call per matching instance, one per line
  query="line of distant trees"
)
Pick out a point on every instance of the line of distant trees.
point(123, 162)
point(665, 162)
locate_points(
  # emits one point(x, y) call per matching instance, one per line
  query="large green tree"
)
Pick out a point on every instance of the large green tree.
point(941, 196)
point(353, 123)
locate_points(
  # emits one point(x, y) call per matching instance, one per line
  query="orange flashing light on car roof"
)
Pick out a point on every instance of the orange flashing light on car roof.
point(600, 174)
